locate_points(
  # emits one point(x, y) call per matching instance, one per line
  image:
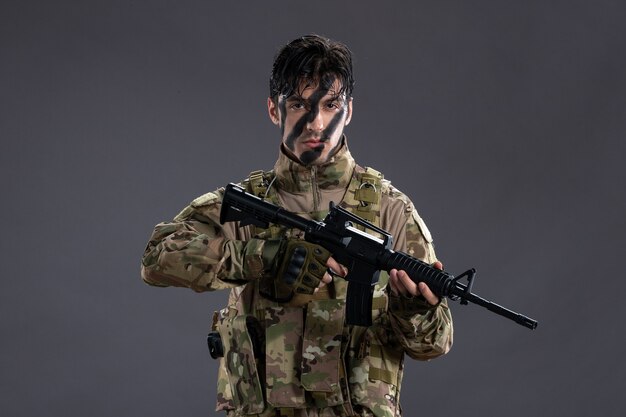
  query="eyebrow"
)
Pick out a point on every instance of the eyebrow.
point(297, 97)
point(294, 97)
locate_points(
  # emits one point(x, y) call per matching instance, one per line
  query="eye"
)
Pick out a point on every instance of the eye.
point(297, 105)
point(333, 105)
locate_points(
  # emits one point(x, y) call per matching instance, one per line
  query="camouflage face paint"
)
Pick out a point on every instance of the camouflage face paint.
point(335, 123)
point(309, 147)
point(308, 157)
point(282, 105)
point(296, 132)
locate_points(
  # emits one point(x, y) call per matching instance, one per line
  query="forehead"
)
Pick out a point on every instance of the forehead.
point(306, 88)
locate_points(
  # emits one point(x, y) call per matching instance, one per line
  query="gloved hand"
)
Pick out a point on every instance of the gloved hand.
point(298, 266)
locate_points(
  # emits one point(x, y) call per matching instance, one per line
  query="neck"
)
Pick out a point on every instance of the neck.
point(336, 172)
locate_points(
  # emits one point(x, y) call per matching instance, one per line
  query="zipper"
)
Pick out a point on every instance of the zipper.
point(315, 189)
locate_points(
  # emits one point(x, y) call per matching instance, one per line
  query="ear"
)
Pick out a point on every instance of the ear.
point(272, 110)
point(349, 116)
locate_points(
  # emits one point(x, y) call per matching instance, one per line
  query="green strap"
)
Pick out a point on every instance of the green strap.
point(382, 375)
point(364, 194)
point(259, 184)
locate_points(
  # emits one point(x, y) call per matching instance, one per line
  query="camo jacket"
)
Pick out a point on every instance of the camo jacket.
point(298, 358)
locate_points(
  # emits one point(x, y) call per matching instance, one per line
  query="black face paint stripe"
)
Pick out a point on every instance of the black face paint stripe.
point(332, 125)
point(282, 105)
point(295, 132)
point(308, 157)
point(314, 100)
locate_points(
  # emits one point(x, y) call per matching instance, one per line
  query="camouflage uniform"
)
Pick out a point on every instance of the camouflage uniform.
point(298, 358)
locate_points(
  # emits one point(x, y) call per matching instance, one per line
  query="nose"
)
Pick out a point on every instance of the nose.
point(315, 122)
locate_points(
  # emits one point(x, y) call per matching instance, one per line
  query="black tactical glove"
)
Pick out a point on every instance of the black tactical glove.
point(298, 267)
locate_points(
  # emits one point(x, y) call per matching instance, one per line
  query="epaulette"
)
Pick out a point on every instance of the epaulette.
point(205, 200)
point(259, 182)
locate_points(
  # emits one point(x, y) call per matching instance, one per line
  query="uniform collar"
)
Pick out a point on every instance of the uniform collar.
point(294, 177)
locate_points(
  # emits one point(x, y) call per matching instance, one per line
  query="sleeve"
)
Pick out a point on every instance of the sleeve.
point(195, 251)
point(424, 331)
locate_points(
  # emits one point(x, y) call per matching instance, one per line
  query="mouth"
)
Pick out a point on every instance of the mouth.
point(314, 142)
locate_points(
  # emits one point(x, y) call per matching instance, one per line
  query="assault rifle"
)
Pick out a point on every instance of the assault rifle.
point(364, 254)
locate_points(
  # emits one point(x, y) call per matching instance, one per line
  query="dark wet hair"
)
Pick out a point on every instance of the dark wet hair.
point(312, 59)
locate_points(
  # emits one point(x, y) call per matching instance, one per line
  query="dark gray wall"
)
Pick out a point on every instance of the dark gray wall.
point(504, 121)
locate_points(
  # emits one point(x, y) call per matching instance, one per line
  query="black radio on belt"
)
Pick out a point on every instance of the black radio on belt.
point(216, 347)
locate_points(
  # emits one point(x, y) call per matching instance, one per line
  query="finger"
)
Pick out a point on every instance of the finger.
point(336, 267)
point(408, 284)
point(393, 281)
point(438, 265)
point(428, 294)
point(326, 279)
point(398, 286)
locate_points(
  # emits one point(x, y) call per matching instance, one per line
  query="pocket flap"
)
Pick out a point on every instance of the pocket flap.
point(239, 358)
point(283, 356)
point(321, 347)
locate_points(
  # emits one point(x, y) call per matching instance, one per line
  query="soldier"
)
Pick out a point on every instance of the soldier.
point(286, 348)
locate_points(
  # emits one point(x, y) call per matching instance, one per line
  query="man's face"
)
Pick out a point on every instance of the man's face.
point(312, 121)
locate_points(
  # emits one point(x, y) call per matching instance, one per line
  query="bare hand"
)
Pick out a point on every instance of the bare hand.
point(402, 284)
